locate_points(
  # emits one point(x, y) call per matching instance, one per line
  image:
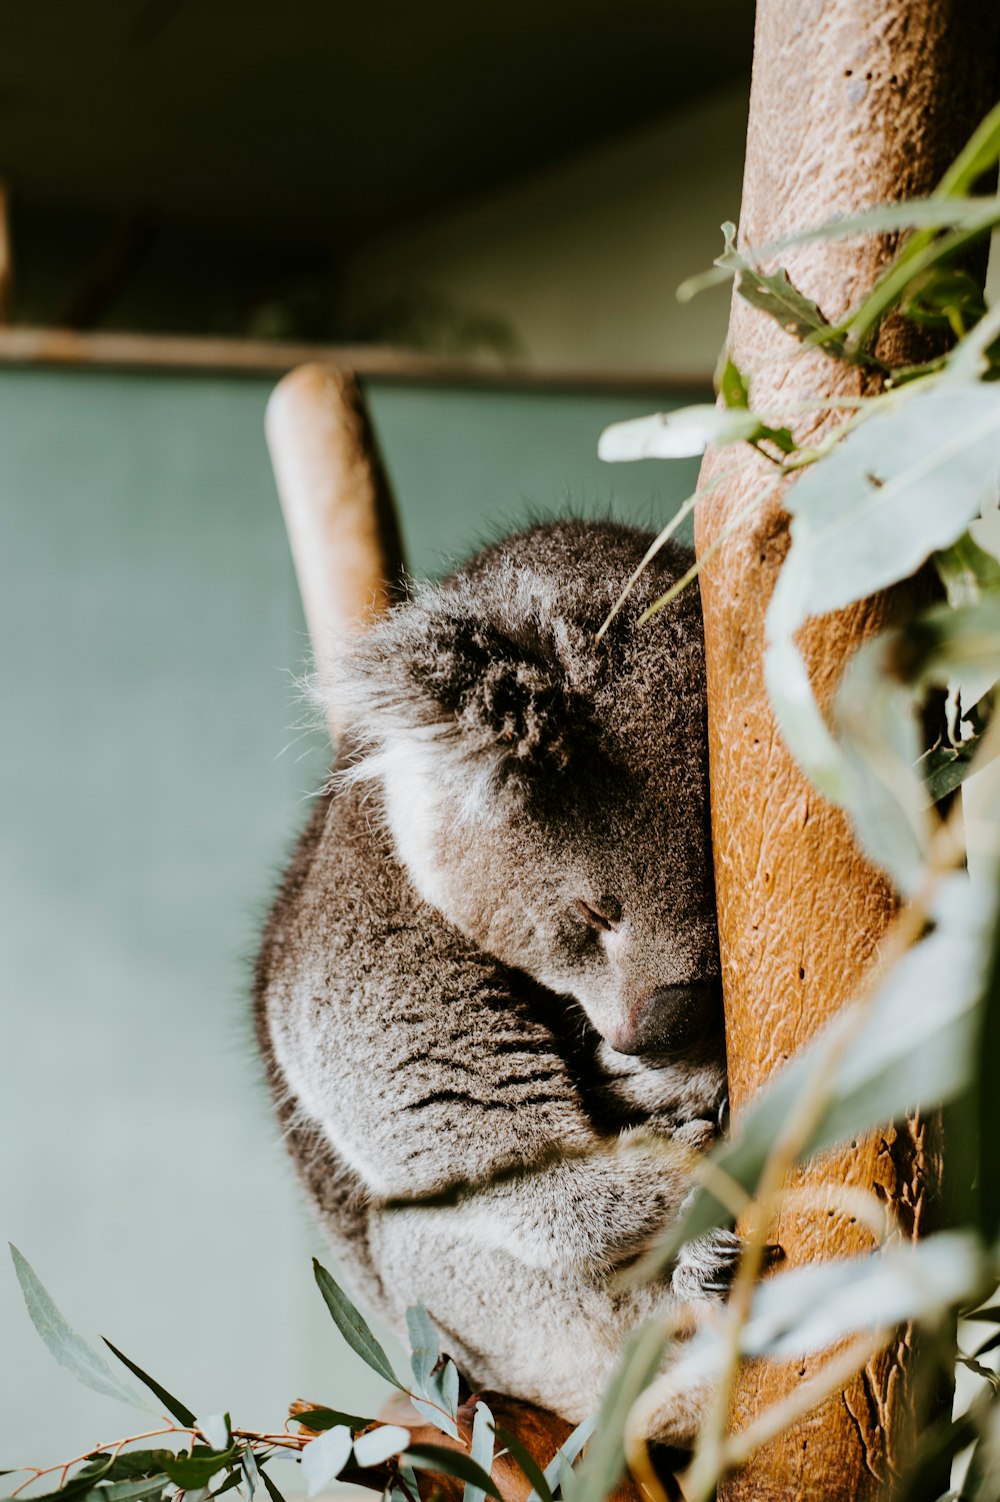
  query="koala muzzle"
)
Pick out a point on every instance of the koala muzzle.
point(670, 1020)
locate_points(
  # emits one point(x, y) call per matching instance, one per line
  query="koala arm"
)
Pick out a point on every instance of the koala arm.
point(451, 1084)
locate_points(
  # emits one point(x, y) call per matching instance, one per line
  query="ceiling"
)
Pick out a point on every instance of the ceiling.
point(316, 121)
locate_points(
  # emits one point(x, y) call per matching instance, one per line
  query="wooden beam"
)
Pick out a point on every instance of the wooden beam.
point(70, 347)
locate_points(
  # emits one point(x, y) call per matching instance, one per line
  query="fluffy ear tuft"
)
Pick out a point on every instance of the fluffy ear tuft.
point(478, 689)
point(504, 702)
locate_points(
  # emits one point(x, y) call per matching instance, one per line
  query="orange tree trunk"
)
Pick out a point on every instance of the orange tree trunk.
point(854, 102)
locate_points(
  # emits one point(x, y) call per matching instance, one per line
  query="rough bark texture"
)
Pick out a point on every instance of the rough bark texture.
point(854, 102)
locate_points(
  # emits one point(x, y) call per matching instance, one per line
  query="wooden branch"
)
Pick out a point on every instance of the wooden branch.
point(338, 508)
point(24, 345)
point(853, 102)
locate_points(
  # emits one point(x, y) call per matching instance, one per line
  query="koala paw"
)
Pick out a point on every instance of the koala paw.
point(704, 1268)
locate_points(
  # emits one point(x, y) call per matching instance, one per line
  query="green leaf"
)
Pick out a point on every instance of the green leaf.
point(527, 1462)
point(353, 1326)
point(248, 1468)
point(134, 1465)
point(197, 1467)
point(330, 1418)
point(976, 157)
point(77, 1490)
point(879, 743)
point(272, 1487)
point(135, 1491)
point(944, 297)
point(732, 385)
point(990, 1315)
point(902, 486)
point(566, 1455)
point(919, 255)
point(173, 1405)
point(967, 571)
point(441, 1404)
point(481, 1450)
point(810, 1308)
point(68, 1348)
point(233, 1480)
point(325, 1457)
point(215, 1430)
point(774, 293)
point(603, 1465)
point(377, 1445)
point(678, 434)
point(435, 1458)
point(424, 1345)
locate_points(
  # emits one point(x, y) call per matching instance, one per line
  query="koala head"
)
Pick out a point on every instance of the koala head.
point(548, 793)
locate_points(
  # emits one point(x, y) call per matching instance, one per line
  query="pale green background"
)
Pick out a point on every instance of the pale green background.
point(151, 788)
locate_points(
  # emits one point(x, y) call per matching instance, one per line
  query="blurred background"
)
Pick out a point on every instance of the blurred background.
point(485, 213)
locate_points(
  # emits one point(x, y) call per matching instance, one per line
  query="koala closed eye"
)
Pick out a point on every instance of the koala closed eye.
point(607, 917)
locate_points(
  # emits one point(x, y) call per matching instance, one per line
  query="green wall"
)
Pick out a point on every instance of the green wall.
point(153, 781)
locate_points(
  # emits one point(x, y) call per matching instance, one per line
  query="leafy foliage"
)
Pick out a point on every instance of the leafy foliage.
point(908, 480)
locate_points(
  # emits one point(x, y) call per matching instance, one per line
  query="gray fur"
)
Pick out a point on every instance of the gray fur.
point(435, 1009)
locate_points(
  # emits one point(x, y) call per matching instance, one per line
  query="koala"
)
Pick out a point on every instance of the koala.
point(491, 976)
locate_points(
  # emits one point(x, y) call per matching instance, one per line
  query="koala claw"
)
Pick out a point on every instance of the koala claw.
point(705, 1267)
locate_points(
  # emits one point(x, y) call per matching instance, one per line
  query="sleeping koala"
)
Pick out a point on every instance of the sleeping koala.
point(496, 950)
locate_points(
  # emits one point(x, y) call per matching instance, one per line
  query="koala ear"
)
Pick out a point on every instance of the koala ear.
point(475, 687)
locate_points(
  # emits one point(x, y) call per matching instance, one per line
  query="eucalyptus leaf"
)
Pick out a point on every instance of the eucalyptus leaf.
point(424, 1345)
point(677, 435)
point(233, 1480)
point(903, 485)
point(271, 1486)
point(377, 1445)
point(435, 1413)
point(811, 1308)
point(135, 1491)
point(69, 1348)
point(174, 1406)
point(353, 1327)
point(603, 1465)
point(329, 1418)
point(567, 1453)
point(452, 1463)
point(133, 1465)
point(529, 1466)
point(196, 1469)
point(967, 571)
point(880, 743)
point(215, 1430)
point(248, 1466)
point(481, 1450)
point(774, 293)
point(732, 385)
point(325, 1457)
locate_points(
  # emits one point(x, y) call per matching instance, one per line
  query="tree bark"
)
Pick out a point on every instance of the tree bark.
point(854, 102)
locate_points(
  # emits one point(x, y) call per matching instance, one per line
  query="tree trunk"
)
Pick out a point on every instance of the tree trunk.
point(854, 102)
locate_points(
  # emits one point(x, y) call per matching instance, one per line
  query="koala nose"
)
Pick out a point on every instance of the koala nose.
point(671, 1019)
